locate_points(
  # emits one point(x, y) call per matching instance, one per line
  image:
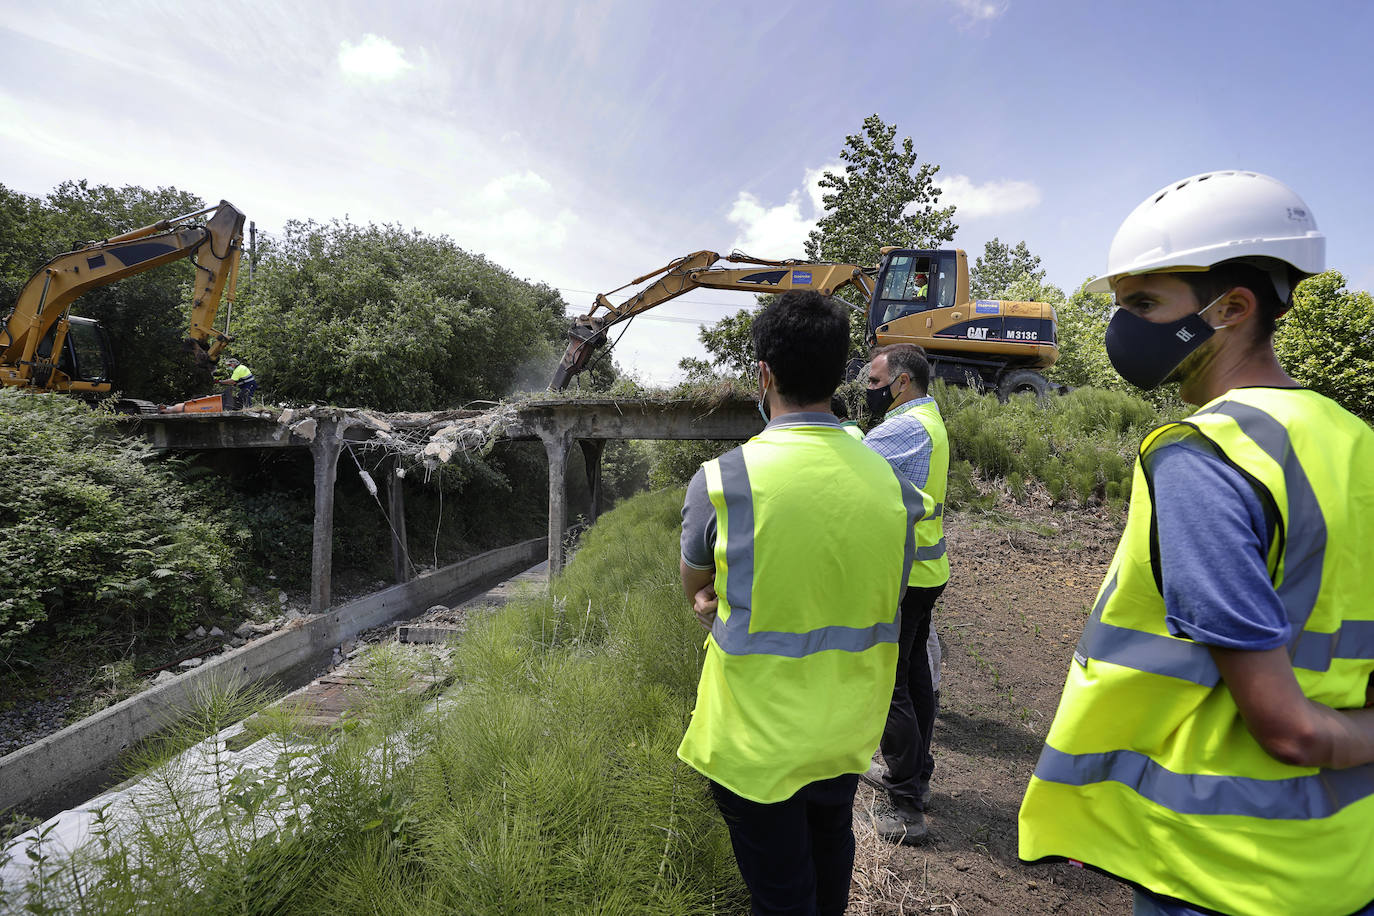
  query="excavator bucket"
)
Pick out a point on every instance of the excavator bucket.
point(584, 337)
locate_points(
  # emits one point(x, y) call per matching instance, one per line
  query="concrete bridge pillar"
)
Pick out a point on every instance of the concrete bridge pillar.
point(592, 451)
point(396, 508)
point(324, 448)
point(557, 442)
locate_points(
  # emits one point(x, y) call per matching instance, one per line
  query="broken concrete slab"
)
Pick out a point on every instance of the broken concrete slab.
point(421, 634)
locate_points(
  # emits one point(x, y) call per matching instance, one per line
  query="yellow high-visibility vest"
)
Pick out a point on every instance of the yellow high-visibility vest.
point(1149, 772)
point(932, 558)
point(814, 537)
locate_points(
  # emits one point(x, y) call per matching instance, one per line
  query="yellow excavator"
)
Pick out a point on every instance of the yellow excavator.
point(44, 347)
point(912, 296)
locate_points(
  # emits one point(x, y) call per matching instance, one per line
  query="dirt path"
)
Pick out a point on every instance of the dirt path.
point(1020, 590)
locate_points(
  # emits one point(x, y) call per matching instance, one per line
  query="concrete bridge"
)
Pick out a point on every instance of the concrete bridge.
point(589, 423)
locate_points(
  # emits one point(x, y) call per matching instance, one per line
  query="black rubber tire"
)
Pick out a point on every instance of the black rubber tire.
point(1022, 381)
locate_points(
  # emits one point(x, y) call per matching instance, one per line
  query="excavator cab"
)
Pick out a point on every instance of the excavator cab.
point(910, 282)
point(83, 361)
point(86, 354)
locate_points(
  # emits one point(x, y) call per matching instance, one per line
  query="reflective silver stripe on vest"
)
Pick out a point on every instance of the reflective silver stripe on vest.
point(915, 505)
point(938, 512)
point(1149, 652)
point(733, 636)
point(1297, 799)
point(1355, 639)
point(1305, 549)
point(931, 552)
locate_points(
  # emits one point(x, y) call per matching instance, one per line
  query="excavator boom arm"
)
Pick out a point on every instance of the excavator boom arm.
point(698, 270)
point(33, 333)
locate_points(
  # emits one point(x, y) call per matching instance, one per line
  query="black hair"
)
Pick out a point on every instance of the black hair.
point(907, 358)
point(804, 338)
point(1227, 275)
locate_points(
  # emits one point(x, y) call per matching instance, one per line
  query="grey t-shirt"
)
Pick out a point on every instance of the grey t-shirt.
point(699, 516)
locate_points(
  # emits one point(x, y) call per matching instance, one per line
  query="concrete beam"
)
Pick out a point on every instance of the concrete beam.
point(70, 766)
point(585, 418)
point(210, 431)
point(595, 418)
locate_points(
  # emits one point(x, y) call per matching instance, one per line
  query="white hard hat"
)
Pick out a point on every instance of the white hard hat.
point(1213, 217)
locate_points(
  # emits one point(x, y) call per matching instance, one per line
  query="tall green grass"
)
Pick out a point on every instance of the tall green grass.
point(544, 781)
point(1081, 447)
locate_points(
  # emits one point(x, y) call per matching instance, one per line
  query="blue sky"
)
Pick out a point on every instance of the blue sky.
point(583, 144)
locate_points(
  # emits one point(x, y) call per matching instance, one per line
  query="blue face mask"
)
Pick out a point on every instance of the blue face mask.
point(763, 398)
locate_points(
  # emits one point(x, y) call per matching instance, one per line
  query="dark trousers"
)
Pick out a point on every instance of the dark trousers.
point(243, 394)
point(911, 717)
point(797, 855)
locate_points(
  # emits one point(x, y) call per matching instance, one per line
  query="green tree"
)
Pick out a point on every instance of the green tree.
point(383, 317)
point(730, 342)
point(1001, 265)
point(1326, 342)
point(1082, 353)
point(885, 196)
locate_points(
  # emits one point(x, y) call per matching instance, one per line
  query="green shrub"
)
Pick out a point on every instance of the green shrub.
point(1081, 446)
point(95, 532)
point(674, 461)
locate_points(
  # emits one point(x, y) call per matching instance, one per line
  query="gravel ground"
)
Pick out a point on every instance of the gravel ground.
point(26, 724)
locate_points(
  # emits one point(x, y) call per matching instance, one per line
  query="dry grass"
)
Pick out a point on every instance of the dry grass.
point(878, 887)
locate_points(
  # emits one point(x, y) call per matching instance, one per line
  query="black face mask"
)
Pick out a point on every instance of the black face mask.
point(878, 400)
point(1144, 353)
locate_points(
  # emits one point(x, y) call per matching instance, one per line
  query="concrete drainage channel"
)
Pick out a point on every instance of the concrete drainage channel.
point(74, 764)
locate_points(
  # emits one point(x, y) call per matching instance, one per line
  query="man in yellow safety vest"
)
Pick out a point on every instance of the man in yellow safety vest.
point(911, 436)
point(795, 552)
point(1210, 748)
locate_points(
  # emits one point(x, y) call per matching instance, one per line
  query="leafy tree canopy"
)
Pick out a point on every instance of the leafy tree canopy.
point(999, 266)
point(384, 317)
point(730, 344)
point(885, 196)
point(1326, 342)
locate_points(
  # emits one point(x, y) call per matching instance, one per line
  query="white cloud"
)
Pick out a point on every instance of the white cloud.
point(769, 232)
point(991, 198)
point(373, 58)
point(982, 10)
point(500, 190)
point(780, 231)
